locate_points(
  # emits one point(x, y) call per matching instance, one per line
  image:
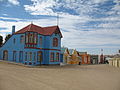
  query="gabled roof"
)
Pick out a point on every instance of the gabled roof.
point(41, 30)
point(71, 51)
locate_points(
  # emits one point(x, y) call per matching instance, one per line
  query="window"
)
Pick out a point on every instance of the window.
point(40, 57)
point(26, 38)
point(14, 55)
point(5, 55)
point(40, 41)
point(21, 39)
point(35, 37)
point(35, 56)
point(30, 56)
point(21, 56)
point(52, 57)
point(55, 42)
point(57, 56)
point(30, 39)
point(25, 56)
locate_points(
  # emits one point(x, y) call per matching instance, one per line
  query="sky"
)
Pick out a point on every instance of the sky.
point(86, 25)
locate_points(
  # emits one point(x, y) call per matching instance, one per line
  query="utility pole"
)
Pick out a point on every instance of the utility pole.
point(57, 19)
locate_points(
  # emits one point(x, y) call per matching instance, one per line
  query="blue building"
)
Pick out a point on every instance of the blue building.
point(33, 45)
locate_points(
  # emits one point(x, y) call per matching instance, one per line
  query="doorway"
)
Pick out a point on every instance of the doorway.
point(40, 57)
point(5, 55)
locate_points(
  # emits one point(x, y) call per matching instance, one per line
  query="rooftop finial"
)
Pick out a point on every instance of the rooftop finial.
point(31, 22)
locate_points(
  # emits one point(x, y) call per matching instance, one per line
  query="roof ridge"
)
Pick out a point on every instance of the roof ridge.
point(41, 30)
point(29, 27)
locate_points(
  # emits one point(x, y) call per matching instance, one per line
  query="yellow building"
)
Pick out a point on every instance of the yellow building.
point(75, 58)
point(114, 62)
point(65, 56)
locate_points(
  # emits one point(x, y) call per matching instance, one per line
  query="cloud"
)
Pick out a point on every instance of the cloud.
point(51, 7)
point(99, 1)
point(40, 7)
point(83, 23)
point(72, 7)
point(14, 2)
point(7, 2)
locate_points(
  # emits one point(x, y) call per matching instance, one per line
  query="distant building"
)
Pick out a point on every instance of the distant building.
point(102, 59)
point(33, 45)
point(65, 55)
point(75, 58)
point(85, 58)
point(94, 59)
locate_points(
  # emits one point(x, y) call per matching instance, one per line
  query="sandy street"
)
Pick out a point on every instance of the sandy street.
point(86, 77)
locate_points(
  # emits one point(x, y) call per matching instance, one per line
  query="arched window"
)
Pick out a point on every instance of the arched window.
point(55, 42)
point(21, 39)
point(40, 41)
point(52, 57)
point(5, 55)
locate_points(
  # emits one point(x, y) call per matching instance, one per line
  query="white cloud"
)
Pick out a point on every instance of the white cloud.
point(99, 1)
point(71, 25)
point(45, 7)
point(14, 2)
point(74, 38)
point(50, 7)
point(40, 7)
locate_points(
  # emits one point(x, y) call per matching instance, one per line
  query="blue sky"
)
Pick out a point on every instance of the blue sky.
point(86, 25)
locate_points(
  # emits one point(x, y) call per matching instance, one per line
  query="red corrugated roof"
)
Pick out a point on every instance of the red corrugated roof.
point(41, 30)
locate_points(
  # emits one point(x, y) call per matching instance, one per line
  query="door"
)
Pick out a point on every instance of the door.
point(21, 56)
point(40, 57)
point(5, 55)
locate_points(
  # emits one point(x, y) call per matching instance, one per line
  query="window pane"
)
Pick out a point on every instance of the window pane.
point(22, 39)
point(30, 56)
point(55, 42)
point(52, 57)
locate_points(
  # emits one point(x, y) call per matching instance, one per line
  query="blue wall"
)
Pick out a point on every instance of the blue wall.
point(10, 46)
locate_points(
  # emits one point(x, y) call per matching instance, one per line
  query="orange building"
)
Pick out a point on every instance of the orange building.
point(85, 57)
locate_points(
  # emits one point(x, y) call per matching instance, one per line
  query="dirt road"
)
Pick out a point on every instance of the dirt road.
point(87, 77)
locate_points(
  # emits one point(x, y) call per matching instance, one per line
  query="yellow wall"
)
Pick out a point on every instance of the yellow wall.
point(74, 58)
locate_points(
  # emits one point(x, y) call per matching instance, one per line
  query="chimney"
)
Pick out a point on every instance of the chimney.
point(13, 29)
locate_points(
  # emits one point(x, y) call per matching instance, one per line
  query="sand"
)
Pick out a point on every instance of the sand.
point(75, 77)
